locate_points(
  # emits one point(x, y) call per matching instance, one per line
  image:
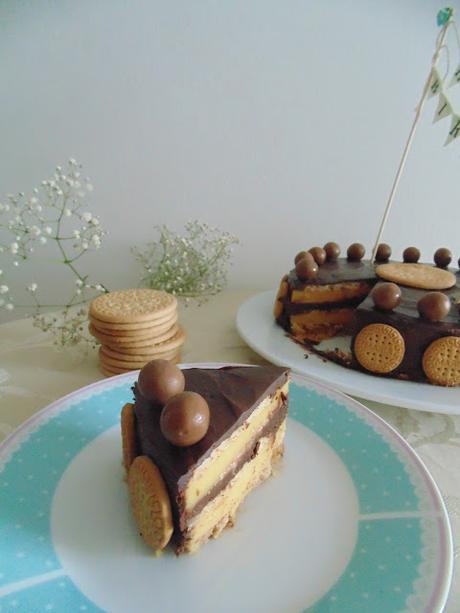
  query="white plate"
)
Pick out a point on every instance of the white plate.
point(351, 522)
point(257, 327)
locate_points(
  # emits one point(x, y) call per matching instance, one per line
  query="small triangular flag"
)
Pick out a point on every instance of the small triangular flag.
point(455, 77)
point(454, 131)
point(444, 108)
point(435, 83)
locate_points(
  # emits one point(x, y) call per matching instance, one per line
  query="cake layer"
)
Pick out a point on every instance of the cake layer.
point(320, 318)
point(221, 510)
point(226, 459)
point(330, 294)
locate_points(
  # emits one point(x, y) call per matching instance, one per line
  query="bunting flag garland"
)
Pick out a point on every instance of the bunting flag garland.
point(444, 108)
point(454, 131)
point(455, 77)
point(435, 83)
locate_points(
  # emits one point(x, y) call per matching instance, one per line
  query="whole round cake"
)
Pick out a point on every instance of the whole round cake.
point(401, 319)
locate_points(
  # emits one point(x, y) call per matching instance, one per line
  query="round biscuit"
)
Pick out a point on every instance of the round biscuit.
point(148, 352)
point(135, 333)
point(125, 327)
point(132, 305)
point(112, 371)
point(131, 336)
point(283, 289)
point(128, 434)
point(441, 361)
point(126, 342)
point(131, 364)
point(379, 348)
point(421, 276)
point(150, 502)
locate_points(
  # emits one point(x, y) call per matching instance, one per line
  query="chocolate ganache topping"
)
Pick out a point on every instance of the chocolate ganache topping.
point(232, 393)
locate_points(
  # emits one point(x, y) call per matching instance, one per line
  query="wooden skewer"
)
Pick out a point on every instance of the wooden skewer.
point(402, 163)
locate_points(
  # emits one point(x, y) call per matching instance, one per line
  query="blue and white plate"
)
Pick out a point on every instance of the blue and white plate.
point(352, 521)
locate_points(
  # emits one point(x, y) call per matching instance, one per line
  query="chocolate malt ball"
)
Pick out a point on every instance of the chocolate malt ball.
point(185, 419)
point(386, 296)
point(434, 306)
point(159, 380)
point(319, 255)
point(306, 268)
point(442, 257)
point(332, 251)
point(411, 255)
point(383, 253)
point(299, 256)
point(355, 252)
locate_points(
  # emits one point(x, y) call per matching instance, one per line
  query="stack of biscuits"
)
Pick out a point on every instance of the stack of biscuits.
point(135, 326)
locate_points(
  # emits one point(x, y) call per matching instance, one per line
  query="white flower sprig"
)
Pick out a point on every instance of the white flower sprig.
point(193, 265)
point(54, 214)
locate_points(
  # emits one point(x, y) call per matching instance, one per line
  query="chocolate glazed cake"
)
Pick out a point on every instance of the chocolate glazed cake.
point(402, 318)
point(206, 481)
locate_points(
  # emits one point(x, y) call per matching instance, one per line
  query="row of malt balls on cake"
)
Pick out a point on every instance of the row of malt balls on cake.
point(307, 262)
point(135, 326)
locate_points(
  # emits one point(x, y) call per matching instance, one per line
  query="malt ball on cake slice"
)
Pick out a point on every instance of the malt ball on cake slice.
point(135, 326)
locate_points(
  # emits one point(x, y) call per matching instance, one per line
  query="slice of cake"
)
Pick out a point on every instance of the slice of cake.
point(194, 454)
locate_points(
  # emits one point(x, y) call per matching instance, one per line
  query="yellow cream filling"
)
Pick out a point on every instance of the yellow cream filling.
point(213, 469)
point(220, 511)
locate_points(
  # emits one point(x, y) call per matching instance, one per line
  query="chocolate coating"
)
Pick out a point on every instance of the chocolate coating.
point(319, 255)
point(332, 251)
point(300, 255)
point(185, 419)
point(159, 380)
point(306, 268)
point(386, 296)
point(383, 253)
point(411, 255)
point(442, 257)
point(434, 306)
point(355, 252)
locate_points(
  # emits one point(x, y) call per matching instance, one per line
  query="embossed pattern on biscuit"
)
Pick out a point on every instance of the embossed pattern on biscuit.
point(379, 348)
point(132, 305)
point(441, 361)
point(150, 502)
point(420, 276)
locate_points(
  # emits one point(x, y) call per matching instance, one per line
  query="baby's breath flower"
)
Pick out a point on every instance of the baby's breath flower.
point(193, 265)
point(23, 225)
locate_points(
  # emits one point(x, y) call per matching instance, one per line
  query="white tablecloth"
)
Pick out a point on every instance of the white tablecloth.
point(33, 373)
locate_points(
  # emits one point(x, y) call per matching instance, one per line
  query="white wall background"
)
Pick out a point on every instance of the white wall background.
point(282, 122)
